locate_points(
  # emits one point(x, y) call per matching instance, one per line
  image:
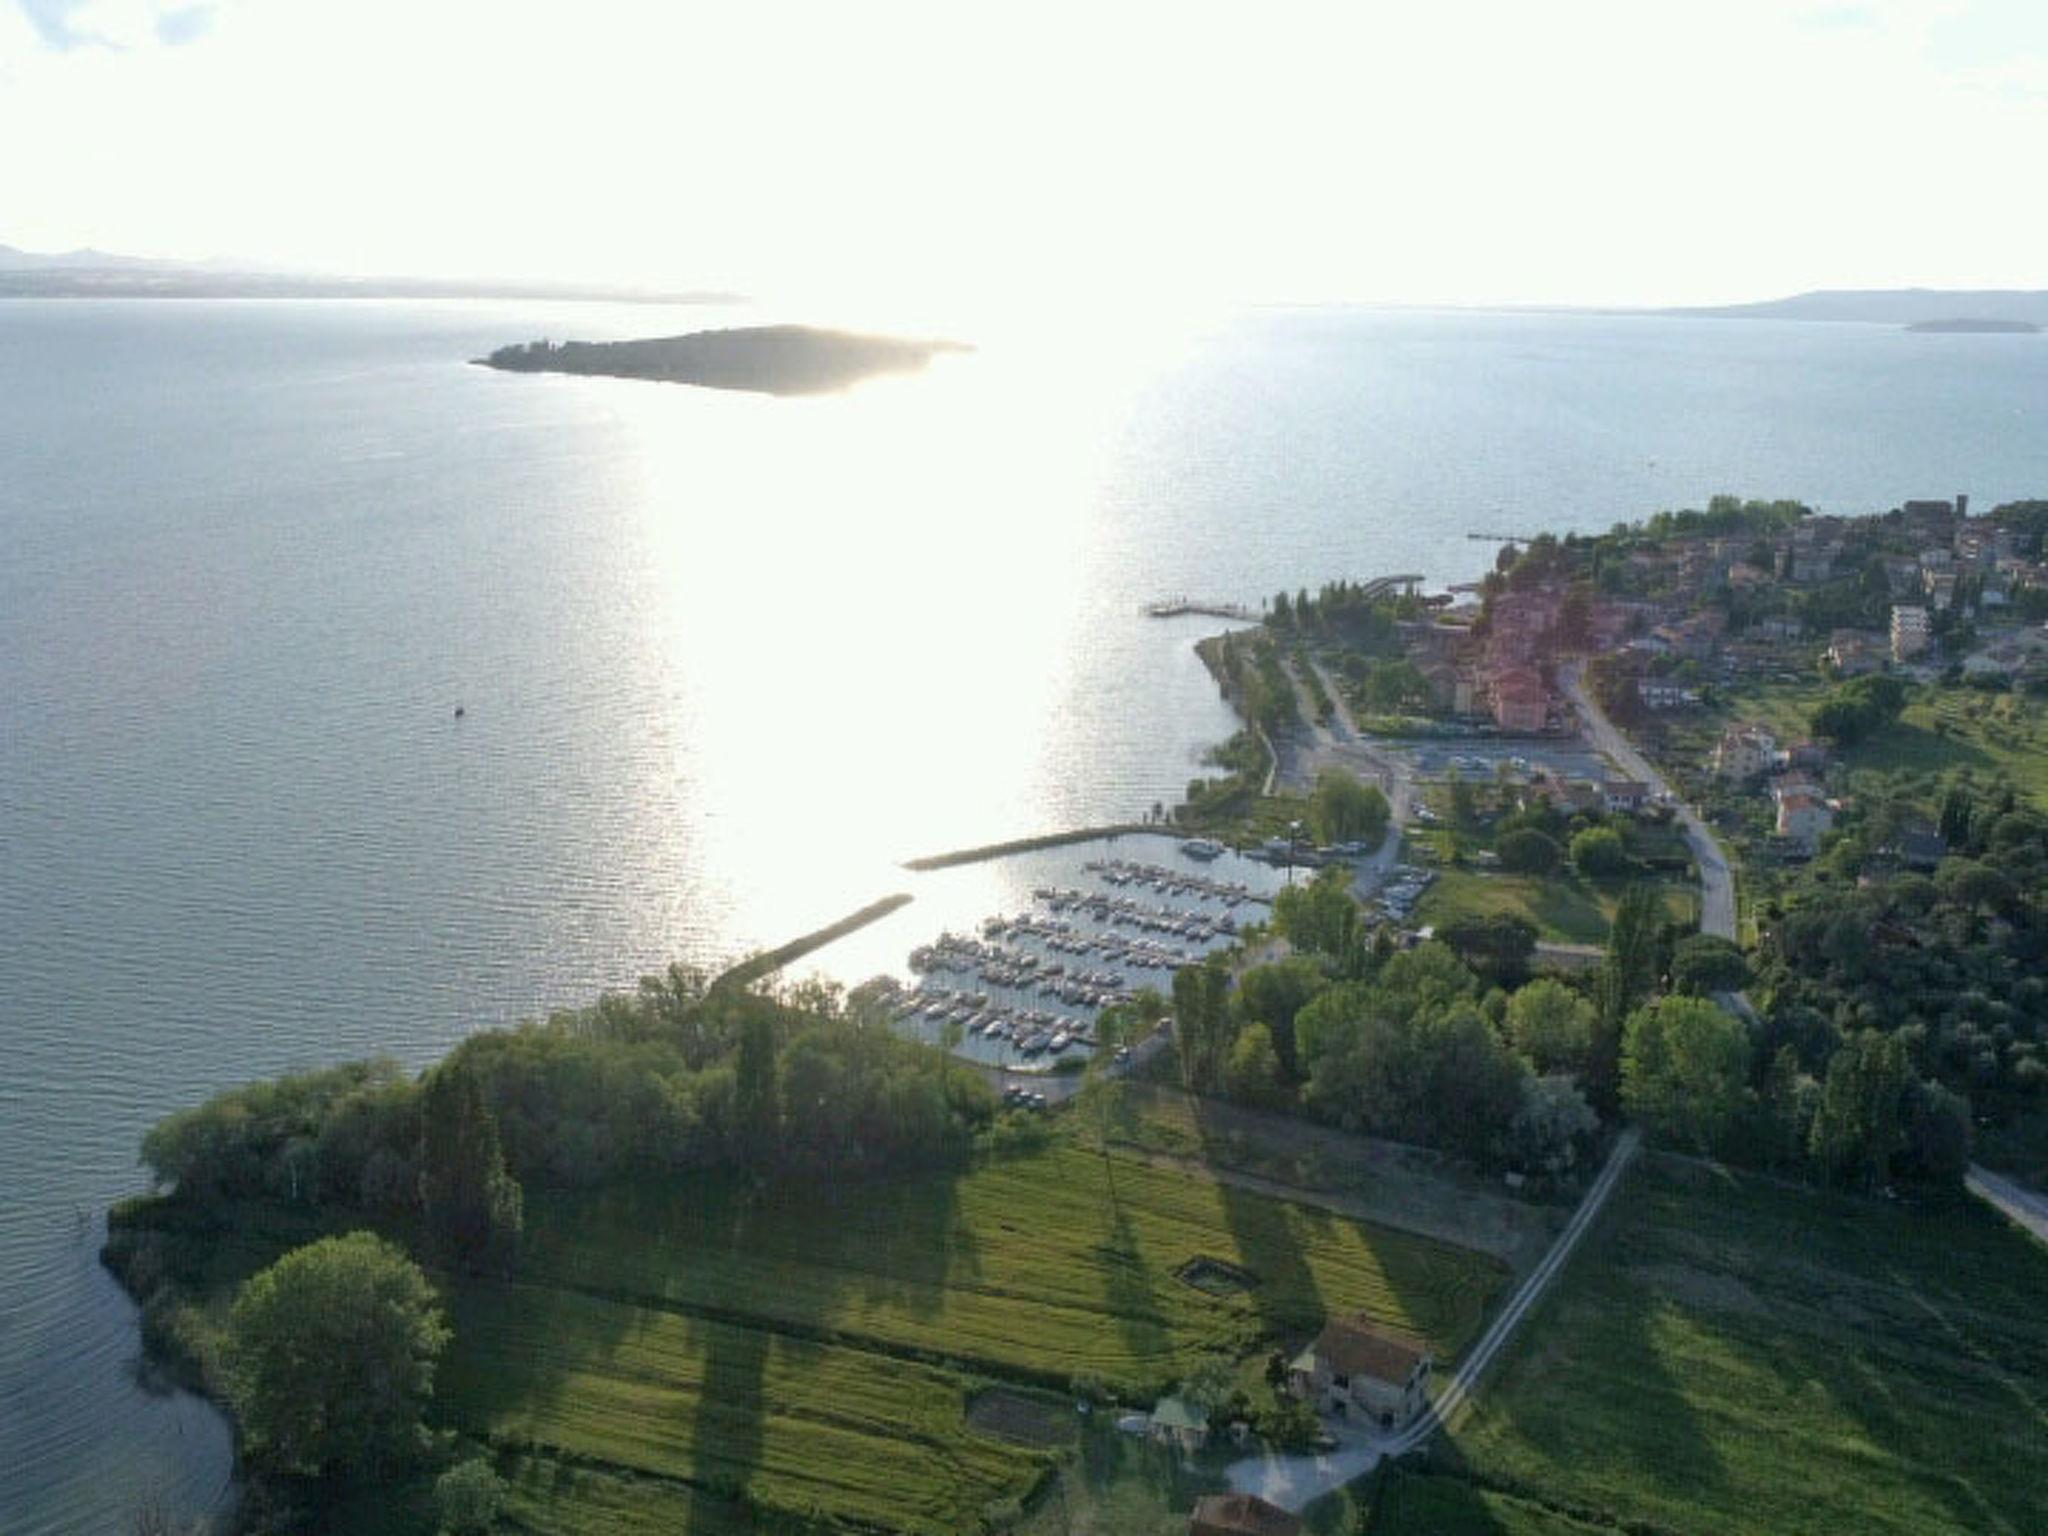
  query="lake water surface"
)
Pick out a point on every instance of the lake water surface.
point(723, 661)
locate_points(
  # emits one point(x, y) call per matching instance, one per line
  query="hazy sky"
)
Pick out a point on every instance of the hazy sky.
point(1431, 150)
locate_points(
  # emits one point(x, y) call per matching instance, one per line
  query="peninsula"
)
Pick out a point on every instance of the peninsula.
point(766, 359)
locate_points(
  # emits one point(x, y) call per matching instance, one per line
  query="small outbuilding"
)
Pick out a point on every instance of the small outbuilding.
point(1363, 1371)
point(1240, 1514)
point(1179, 1423)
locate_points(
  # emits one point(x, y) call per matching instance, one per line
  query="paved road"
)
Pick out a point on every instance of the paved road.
point(1294, 1482)
point(1349, 747)
point(2023, 1205)
point(1717, 880)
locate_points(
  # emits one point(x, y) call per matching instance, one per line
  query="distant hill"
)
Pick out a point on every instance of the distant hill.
point(766, 359)
point(1889, 306)
point(89, 274)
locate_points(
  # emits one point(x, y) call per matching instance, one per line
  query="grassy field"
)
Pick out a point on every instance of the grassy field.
point(811, 1351)
point(1046, 1267)
point(706, 1357)
point(1944, 728)
point(797, 1425)
point(1412, 1188)
point(1564, 909)
point(1733, 1356)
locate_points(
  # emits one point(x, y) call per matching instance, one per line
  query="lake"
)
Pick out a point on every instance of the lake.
point(722, 661)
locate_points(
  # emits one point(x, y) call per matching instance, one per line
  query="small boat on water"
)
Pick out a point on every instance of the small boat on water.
point(1202, 848)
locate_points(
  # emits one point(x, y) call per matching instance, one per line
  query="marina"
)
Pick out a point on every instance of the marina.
point(1023, 988)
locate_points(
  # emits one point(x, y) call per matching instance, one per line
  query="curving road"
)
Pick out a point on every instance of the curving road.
point(1717, 880)
point(2025, 1207)
point(1294, 1482)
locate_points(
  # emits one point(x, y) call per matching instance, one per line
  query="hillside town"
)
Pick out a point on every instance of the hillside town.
point(1677, 618)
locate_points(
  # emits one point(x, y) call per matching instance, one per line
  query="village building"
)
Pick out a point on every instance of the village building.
point(1520, 700)
point(1569, 796)
point(1610, 622)
point(1666, 695)
point(1776, 629)
point(1902, 574)
point(1744, 752)
point(1624, 797)
point(1854, 654)
point(1813, 559)
point(1803, 816)
point(1240, 1514)
point(1917, 846)
point(1178, 1423)
point(1941, 589)
point(1358, 1369)
point(1807, 756)
point(1934, 519)
point(1802, 819)
point(1910, 632)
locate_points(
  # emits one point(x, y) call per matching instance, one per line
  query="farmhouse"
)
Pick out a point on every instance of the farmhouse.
point(1358, 1369)
point(1240, 1514)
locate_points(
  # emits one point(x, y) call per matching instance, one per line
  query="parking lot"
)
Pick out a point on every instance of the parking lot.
point(1569, 759)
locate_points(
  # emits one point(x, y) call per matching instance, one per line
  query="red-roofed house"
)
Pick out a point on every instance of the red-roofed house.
point(1240, 1514)
point(1359, 1369)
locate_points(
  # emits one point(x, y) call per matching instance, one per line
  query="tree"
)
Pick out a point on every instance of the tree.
point(755, 1101)
point(1211, 1383)
point(1684, 1062)
point(474, 1208)
point(1464, 807)
point(329, 1357)
point(1552, 1026)
point(1342, 810)
point(1705, 964)
point(1319, 915)
point(1273, 994)
point(469, 1497)
point(1859, 1124)
point(1201, 1024)
point(1598, 853)
point(1937, 1149)
point(1525, 851)
point(1253, 1073)
point(1550, 1126)
point(1859, 709)
point(1497, 947)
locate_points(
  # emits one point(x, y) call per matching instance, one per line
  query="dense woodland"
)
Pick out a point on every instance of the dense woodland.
point(675, 1077)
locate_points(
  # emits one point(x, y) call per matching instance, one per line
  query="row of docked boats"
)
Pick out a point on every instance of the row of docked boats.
point(1063, 938)
point(1021, 971)
point(1171, 882)
point(1030, 1030)
point(1202, 927)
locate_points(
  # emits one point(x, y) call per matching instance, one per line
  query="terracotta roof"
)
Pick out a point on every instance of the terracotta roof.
point(1240, 1514)
point(1356, 1346)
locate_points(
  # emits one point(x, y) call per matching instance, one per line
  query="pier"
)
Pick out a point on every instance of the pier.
point(1182, 607)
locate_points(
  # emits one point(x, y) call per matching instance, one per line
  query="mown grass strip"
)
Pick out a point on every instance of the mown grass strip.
point(1044, 1268)
point(786, 1423)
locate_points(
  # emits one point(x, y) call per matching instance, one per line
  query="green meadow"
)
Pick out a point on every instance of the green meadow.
point(1728, 1355)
